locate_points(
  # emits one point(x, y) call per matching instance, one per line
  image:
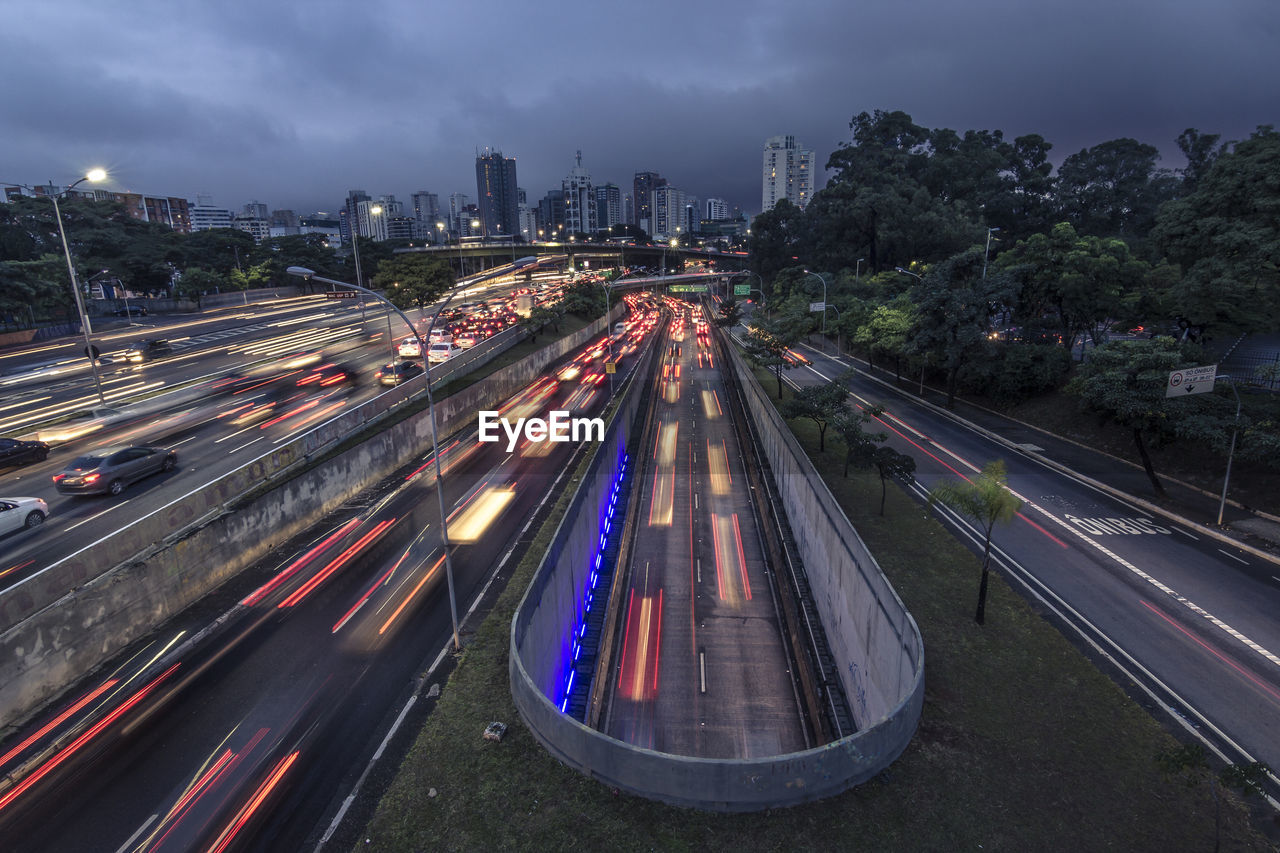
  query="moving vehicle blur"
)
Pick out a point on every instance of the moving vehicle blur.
point(147, 350)
point(15, 452)
point(397, 372)
point(110, 470)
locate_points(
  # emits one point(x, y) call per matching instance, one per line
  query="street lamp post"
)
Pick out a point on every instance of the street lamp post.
point(1235, 430)
point(93, 176)
point(819, 277)
point(857, 272)
point(305, 273)
point(923, 361)
point(987, 251)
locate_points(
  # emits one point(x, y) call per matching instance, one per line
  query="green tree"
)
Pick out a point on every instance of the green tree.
point(585, 298)
point(953, 308)
point(1226, 237)
point(413, 280)
point(1200, 153)
point(887, 331)
point(1191, 761)
point(769, 341)
point(255, 275)
point(540, 317)
point(196, 281)
point(775, 235)
point(730, 313)
point(36, 288)
point(859, 444)
point(987, 500)
point(1124, 382)
point(1113, 189)
point(890, 464)
point(821, 404)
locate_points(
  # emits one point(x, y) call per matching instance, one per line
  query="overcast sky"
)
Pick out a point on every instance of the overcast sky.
point(292, 104)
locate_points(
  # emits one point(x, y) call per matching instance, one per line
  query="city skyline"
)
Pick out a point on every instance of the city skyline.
point(270, 102)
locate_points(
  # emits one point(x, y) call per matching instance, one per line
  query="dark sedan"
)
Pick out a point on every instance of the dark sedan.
point(131, 311)
point(147, 350)
point(15, 452)
point(397, 372)
point(109, 470)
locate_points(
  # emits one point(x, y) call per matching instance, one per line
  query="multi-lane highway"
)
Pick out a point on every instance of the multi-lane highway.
point(248, 737)
point(703, 668)
point(1191, 620)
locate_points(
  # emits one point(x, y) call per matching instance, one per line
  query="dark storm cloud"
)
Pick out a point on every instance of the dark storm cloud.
point(294, 104)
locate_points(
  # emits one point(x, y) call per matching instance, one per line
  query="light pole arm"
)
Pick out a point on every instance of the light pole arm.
point(75, 290)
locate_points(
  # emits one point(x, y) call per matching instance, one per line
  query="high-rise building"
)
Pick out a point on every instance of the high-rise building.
point(255, 210)
point(371, 220)
point(348, 216)
point(670, 214)
point(391, 207)
point(401, 227)
point(258, 229)
point(608, 206)
point(717, 208)
point(579, 200)
point(426, 213)
point(788, 172)
point(628, 209)
point(457, 201)
point(642, 191)
point(205, 216)
point(551, 215)
point(498, 193)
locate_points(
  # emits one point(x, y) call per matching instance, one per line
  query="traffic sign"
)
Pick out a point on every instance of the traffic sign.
point(688, 288)
point(814, 307)
point(340, 294)
point(611, 367)
point(742, 290)
point(1191, 380)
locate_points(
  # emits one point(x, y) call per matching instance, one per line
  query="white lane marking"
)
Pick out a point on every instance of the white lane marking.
point(140, 830)
point(97, 515)
point(1233, 556)
point(702, 665)
point(1167, 590)
point(246, 444)
point(1186, 534)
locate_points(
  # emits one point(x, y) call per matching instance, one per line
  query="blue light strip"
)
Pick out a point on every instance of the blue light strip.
point(579, 629)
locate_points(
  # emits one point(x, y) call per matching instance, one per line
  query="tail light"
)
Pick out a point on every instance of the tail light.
point(58, 478)
point(92, 478)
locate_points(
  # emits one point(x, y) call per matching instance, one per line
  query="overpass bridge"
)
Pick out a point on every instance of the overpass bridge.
point(472, 258)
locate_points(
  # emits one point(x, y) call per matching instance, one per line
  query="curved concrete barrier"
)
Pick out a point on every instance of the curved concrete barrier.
point(876, 642)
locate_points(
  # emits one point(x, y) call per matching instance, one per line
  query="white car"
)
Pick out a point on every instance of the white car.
point(17, 513)
point(442, 351)
point(410, 347)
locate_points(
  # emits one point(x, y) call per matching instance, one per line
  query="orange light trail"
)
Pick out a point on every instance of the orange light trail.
point(430, 573)
point(325, 573)
point(657, 644)
point(310, 404)
point(53, 763)
point(192, 794)
point(15, 568)
point(379, 582)
point(57, 721)
point(264, 790)
point(742, 560)
point(297, 564)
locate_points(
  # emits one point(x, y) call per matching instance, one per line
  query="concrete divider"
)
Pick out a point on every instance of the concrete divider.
point(877, 643)
point(89, 619)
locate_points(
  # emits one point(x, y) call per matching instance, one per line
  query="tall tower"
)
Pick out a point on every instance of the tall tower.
point(496, 189)
point(642, 198)
point(788, 172)
point(579, 200)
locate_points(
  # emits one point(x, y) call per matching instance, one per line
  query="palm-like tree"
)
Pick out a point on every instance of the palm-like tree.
point(987, 500)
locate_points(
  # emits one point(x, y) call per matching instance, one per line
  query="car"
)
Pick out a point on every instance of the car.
point(110, 470)
point(466, 340)
point(22, 514)
point(147, 350)
point(131, 311)
point(16, 451)
point(397, 372)
point(80, 424)
point(410, 347)
point(440, 336)
point(442, 351)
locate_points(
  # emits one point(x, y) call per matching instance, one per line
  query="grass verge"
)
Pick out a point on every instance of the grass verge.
point(1023, 743)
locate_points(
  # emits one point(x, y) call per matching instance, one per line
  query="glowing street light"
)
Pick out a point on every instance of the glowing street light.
point(303, 272)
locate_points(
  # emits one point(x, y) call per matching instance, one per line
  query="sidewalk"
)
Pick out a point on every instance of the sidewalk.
point(1182, 502)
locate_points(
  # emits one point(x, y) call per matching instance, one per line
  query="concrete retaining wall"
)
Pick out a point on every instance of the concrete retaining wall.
point(870, 631)
point(77, 630)
point(874, 638)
